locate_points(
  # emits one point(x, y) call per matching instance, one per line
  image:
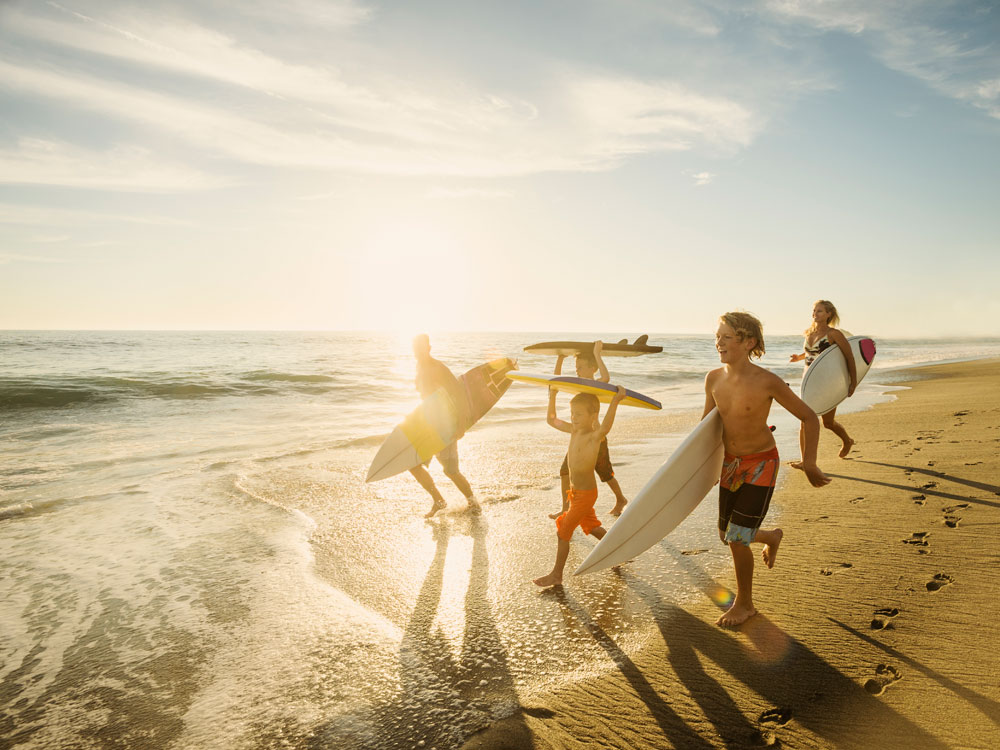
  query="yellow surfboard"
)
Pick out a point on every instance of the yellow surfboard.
point(604, 391)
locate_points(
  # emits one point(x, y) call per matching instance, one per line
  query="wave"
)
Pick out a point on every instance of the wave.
point(285, 377)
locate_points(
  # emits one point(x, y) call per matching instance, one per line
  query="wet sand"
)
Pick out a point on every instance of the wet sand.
point(877, 627)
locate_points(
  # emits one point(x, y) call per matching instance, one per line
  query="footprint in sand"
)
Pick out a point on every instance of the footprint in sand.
point(920, 499)
point(953, 508)
point(856, 500)
point(928, 486)
point(918, 538)
point(817, 518)
point(777, 716)
point(952, 521)
point(939, 581)
point(882, 618)
point(959, 413)
point(974, 463)
point(840, 568)
point(538, 713)
point(693, 551)
point(884, 677)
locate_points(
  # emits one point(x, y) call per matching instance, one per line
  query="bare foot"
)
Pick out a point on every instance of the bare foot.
point(474, 507)
point(550, 580)
point(554, 516)
point(770, 551)
point(847, 448)
point(795, 465)
point(438, 505)
point(736, 615)
point(619, 506)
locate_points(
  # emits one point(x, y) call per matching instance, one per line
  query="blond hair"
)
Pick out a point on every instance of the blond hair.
point(588, 401)
point(746, 326)
point(833, 321)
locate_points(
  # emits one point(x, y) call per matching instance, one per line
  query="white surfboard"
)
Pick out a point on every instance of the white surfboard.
point(668, 498)
point(826, 380)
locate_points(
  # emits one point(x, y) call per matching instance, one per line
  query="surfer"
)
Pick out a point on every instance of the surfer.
point(587, 365)
point(819, 336)
point(431, 375)
point(586, 437)
point(743, 391)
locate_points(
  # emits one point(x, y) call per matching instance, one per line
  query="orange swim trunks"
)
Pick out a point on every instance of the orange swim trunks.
point(580, 513)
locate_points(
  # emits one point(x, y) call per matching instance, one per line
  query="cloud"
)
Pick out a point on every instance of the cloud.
point(936, 41)
point(39, 162)
point(6, 258)
point(16, 214)
point(701, 178)
point(448, 193)
point(275, 113)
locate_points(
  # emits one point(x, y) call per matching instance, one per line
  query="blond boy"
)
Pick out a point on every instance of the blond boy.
point(743, 391)
point(586, 436)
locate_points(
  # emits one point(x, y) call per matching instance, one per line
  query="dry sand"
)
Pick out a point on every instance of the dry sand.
point(877, 627)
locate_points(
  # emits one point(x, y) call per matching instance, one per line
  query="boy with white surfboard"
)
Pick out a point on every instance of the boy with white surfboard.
point(743, 391)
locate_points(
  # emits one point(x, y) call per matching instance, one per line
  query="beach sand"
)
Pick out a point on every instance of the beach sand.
point(877, 627)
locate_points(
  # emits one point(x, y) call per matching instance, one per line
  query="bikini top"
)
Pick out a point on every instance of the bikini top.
point(813, 351)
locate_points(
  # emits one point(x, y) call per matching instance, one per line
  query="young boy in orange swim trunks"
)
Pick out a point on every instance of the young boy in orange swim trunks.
point(743, 392)
point(586, 437)
point(587, 366)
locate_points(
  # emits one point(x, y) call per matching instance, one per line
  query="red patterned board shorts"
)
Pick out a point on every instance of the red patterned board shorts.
point(580, 513)
point(745, 490)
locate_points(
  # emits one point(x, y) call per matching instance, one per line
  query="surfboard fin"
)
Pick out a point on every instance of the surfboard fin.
point(641, 341)
point(623, 341)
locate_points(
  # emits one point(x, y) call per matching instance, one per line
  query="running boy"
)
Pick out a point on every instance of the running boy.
point(587, 365)
point(431, 375)
point(743, 392)
point(586, 436)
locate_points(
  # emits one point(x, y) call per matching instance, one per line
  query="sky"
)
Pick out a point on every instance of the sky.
point(584, 165)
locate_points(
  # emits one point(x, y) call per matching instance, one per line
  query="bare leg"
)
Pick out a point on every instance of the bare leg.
point(770, 539)
point(564, 481)
point(555, 577)
point(830, 422)
point(620, 499)
point(465, 488)
point(421, 475)
point(742, 609)
point(802, 448)
point(599, 532)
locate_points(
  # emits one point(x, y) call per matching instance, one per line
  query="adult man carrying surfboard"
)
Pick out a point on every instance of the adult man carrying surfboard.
point(433, 374)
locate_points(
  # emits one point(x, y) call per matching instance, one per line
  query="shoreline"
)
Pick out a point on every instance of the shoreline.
point(867, 622)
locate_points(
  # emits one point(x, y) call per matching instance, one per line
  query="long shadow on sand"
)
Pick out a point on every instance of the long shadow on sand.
point(777, 667)
point(442, 700)
point(674, 728)
point(989, 707)
point(925, 490)
point(995, 489)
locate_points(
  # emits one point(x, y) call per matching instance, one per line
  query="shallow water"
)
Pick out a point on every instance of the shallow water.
point(192, 558)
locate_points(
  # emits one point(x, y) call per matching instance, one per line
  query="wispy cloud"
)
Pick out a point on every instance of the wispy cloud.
point(39, 162)
point(282, 114)
point(459, 193)
point(6, 258)
point(16, 214)
point(701, 178)
point(942, 43)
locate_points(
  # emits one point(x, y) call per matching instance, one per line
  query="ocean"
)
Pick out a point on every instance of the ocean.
point(192, 559)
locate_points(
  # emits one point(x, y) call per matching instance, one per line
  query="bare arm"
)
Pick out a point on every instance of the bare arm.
point(551, 417)
point(605, 376)
point(797, 357)
point(609, 417)
point(709, 398)
point(810, 429)
point(840, 340)
point(559, 361)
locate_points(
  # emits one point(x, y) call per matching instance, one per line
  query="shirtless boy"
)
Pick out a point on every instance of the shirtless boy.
point(431, 375)
point(586, 436)
point(587, 365)
point(743, 392)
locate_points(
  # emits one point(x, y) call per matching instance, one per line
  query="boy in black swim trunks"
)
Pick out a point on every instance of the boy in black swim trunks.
point(743, 392)
point(587, 365)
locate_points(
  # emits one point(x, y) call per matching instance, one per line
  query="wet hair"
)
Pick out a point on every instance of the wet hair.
point(834, 319)
point(587, 400)
point(746, 327)
point(586, 358)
